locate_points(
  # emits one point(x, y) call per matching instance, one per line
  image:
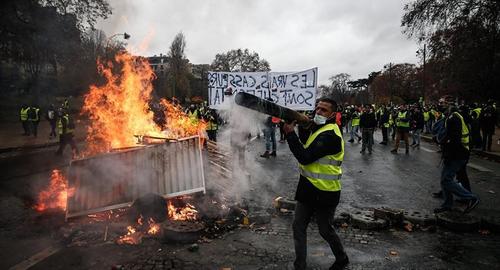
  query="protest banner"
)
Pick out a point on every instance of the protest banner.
point(294, 90)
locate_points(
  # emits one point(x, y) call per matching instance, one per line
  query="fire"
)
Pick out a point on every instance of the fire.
point(56, 194)
point(182, 213)
point(133, 237)
point(135, 234)
point(154, 227)
point(120, 109)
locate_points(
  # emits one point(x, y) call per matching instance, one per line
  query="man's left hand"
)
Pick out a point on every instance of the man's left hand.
point(289, 127)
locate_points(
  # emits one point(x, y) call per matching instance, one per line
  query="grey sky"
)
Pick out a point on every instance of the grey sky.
point(351, 36)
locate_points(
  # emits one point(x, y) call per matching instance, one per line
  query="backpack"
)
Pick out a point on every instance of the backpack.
point(439, 130)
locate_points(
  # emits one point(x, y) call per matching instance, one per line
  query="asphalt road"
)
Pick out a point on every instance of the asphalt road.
point(380, 179)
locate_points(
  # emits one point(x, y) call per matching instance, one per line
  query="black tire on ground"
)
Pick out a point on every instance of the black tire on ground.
point(149, 206)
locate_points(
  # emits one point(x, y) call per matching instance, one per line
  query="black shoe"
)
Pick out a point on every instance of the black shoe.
point(351, 140)
point(437, 194)
point(472, 204)
point(394, 151)
point(407, 151)
point(265, 155)
point(359, 139)
point(384, 143)
point(362, 151)
point(339, 265)
point(441, 210)
point(413, 144)
point(273, 154)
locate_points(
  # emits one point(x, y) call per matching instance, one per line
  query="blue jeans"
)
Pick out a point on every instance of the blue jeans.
point(416, 136)
point(448, 184)
point(354, 132)
point(270, 137)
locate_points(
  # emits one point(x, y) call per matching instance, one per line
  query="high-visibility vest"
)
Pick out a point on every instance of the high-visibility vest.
point(391, 121)
point(477, 111)
point(24, 113)
point(65, 118)
point(426, 116)
point(324, 173)
point(465, 131)
point(355, 119)
point(193, 116)
point(211, 125)
point(400, 122)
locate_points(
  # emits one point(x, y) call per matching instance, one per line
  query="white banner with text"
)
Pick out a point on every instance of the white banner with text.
point(294, 90)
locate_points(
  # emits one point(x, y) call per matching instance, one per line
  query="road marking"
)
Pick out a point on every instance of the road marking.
point(427, 149)
point(478, 167)
point(31, 261)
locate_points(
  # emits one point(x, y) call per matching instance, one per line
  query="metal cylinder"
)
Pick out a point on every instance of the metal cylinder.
point(267, 107)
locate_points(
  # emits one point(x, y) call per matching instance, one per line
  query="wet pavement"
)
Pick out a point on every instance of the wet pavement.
point(369, 181)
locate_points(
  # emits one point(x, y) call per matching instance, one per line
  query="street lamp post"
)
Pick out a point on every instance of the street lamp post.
point(423, 52)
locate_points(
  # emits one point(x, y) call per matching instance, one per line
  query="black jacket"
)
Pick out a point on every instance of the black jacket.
point(367, 120)
point(327, 143)
point(453, 148)
point(417, 120)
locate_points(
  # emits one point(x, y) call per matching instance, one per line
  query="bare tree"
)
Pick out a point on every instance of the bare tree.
point(178, 72)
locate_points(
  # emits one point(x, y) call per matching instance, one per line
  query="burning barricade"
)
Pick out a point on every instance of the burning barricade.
point(128, 156)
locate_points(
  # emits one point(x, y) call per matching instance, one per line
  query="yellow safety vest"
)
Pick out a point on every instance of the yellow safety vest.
point(400, 122)
point(60, 125)
point(465, 131)
point(355, 119)
point(193, 116)
point(211, 125)
point(324, 173)
point(24, 114)
point(391, 121)
point(426, 116)
point(477, 111)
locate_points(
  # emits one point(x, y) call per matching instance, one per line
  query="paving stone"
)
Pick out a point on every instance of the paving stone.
point(284, 203)
point(364, 219)
point(391, 215)
point(419, 217)
point(259, 217)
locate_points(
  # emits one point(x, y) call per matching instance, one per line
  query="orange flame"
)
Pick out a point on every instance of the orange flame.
point(119, 109)
point(182, 213)
point(133, 237)
point(154, 227)
point(56, 194)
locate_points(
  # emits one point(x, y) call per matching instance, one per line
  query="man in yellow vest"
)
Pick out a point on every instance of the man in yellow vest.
point(193, 114)
point(34, 119)
point(320, 152)
point(212, 124)
point(403, 128)
point(455, 157)
point(356, 114)
point(65, 127)
point(23, 116)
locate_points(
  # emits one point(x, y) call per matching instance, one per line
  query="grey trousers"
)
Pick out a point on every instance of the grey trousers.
point(324, 218)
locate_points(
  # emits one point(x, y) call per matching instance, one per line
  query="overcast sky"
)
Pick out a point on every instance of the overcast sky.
point(351, 36)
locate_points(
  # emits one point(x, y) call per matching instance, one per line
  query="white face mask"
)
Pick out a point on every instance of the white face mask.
point(319, 119)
